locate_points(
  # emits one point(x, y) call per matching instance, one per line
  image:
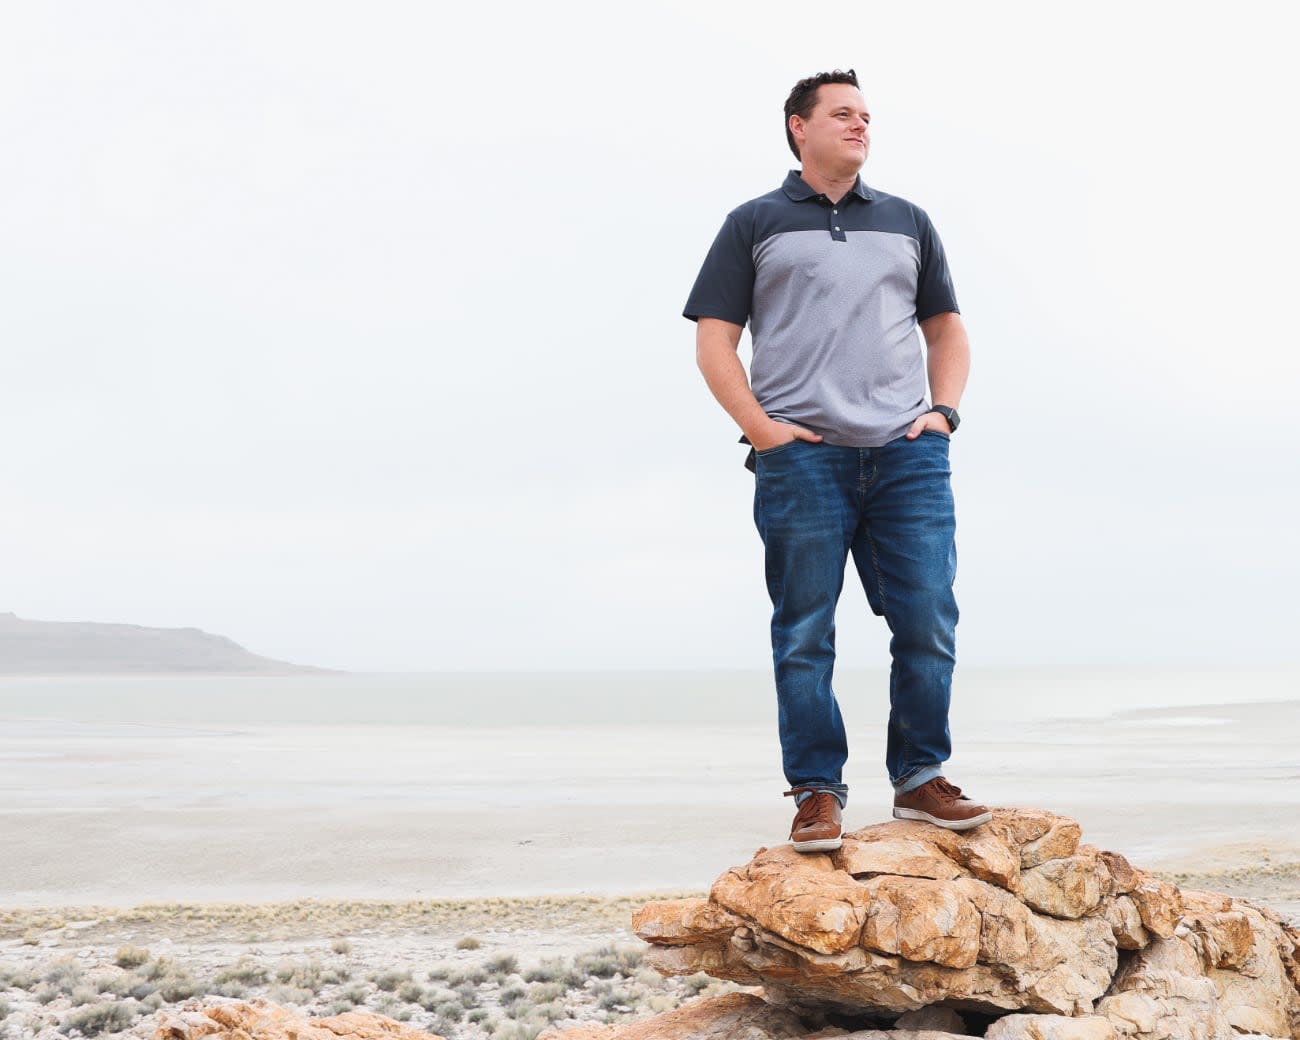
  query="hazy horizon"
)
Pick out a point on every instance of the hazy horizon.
point(353, 334)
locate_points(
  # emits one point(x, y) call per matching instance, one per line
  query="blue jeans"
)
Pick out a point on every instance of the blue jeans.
point(891, 508)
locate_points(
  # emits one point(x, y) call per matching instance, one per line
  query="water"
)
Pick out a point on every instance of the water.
point(126, 789)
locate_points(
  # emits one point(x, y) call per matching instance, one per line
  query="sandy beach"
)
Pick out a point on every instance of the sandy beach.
point(243, 853)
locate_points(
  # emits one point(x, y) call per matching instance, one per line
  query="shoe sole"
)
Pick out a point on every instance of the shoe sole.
point(948, 825)
point(818, 845)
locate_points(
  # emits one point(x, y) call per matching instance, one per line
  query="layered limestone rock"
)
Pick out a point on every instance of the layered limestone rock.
point(1016, 925)
point(262, 1020)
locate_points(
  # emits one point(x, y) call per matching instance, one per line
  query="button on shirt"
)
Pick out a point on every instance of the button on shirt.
point(832, 294)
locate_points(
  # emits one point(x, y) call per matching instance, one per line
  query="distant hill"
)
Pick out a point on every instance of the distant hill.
point(89, 648)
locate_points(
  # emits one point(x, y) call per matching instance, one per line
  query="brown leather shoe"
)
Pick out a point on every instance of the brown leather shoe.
point(942, 804)
point(817, 826)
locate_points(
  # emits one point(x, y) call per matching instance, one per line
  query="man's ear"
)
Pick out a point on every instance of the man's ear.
point(796, 125)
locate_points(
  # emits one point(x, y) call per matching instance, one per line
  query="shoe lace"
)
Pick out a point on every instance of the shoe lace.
point(946, 790)
point(814, 809)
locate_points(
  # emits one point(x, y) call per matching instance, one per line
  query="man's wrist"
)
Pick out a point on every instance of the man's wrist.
point(950, 414)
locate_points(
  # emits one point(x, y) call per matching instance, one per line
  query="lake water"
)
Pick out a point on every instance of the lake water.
point(129, 789)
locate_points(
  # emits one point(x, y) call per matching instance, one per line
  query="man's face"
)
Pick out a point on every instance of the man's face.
point(835, 135)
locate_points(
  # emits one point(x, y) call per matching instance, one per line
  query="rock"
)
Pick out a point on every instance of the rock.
point(1051, 1027)
point(735, 1016)
point(262, 1020)
point(801, 898)
point(1160, 905)
point(1125, 922)
point(1017, 918)
point(1069, 887)
point(684, 921)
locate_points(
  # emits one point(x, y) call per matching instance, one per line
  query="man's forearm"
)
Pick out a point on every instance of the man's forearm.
point(947, 358)
point(726, 379)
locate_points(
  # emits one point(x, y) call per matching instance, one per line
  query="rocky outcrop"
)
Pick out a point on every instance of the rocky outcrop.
point(1016, 928)
point(262, 1020)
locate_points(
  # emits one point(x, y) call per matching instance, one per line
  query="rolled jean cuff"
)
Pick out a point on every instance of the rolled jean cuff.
point(922, 776)
point(840, 791)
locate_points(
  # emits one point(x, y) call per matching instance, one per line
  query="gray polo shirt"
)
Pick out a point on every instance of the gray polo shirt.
point(832, 295)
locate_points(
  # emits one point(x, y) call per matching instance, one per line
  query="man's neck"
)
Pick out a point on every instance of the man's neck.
point(833, 185)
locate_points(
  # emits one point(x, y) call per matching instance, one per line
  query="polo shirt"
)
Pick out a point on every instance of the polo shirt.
point(832, 294)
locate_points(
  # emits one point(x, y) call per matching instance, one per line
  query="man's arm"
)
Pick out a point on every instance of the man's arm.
point(947, 367)
point(715, 352)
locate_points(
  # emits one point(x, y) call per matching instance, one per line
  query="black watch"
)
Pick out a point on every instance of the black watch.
point(954, 420)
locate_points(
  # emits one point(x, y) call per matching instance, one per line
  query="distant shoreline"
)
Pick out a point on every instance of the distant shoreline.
point(86, 649)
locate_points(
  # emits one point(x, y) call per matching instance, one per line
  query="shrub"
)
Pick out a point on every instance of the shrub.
point(301, 974)
point(4, 1010)
point(84, 995)
point(131, 956)
point(117, 983)
point(435, 996)
point(544, 992)
point(64, 974)
point(112, 1017)
point(160, 968)
point(468, 994)
point(503, 964)
point(17, 979)
point(296, 995)
point(388, 981)
point(554, 969)
point(410, 991)
point(177, 987)
point(516, 1031)
point(245, 970)
point(599, 965)
point(341, 946)
point(450, 1011)
point(512, 995)
point(468, 942)
point(355, 995)
point(551, 1011)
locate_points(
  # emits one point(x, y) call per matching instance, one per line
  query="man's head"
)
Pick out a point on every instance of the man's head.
point(826, 121)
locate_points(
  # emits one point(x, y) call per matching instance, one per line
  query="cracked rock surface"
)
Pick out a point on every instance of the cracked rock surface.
point(1016, 926)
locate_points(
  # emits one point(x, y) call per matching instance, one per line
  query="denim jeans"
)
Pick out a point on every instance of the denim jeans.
point(891, 509)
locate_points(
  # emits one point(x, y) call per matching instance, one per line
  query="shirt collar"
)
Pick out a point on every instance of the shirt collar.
point(800, 190)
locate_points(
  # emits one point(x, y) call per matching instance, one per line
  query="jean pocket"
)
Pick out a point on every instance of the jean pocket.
point(767, 453)
point(936, 433)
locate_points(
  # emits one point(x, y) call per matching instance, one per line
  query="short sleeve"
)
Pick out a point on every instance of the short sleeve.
point(934, 291)
point(725, 285)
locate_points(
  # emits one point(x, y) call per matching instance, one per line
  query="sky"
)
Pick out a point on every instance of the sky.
point(353, 331)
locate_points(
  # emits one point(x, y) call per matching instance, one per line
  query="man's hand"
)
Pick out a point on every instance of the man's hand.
point(929, 421)
point(773, 433)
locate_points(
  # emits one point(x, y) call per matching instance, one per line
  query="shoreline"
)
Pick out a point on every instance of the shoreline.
point(1273, 880)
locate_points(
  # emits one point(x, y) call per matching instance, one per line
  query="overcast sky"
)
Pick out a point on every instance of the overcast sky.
point(352, 331)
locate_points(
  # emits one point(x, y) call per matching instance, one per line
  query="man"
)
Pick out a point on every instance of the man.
point(834, 278)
